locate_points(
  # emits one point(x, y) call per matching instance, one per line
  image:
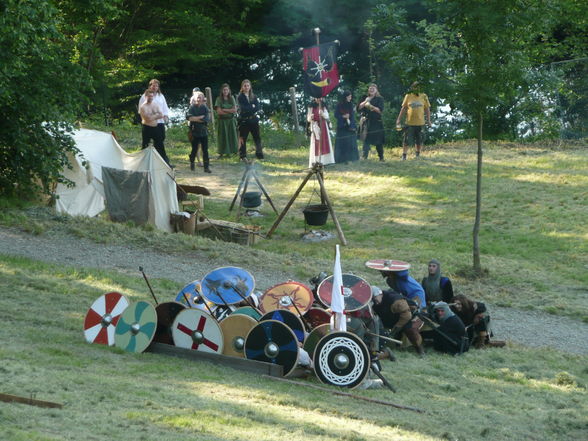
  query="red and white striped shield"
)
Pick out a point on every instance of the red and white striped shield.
point(102, 317)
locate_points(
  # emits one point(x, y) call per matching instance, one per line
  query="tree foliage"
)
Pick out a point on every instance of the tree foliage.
point(40, 94)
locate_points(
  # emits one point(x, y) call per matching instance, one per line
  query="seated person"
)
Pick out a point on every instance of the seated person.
point(450, 336)
point(437, 288)
point(476, 318)
point(402, 283)
point(393, 310)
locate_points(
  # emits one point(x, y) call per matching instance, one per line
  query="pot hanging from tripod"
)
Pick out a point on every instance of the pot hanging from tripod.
point(252, 199)
point(316, 215)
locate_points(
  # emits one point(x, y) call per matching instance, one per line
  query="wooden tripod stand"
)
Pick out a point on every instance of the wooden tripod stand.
point(317, 171)
point(249, 174)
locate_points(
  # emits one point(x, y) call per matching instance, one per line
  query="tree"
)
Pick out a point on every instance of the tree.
point(40, 95)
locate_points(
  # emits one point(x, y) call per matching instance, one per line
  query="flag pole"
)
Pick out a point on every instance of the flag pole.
point(316, 32)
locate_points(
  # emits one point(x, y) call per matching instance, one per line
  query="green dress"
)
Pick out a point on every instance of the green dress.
point(227, 140)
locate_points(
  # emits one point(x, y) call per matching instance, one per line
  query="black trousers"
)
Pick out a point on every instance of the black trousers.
point(157, 134)
point(245, 127)
point(366, 150)
point(203, 141)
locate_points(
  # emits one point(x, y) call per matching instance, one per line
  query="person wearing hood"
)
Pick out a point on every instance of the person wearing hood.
point(450, 336)
point(437, 287)
point(401, 282)
point(476, 318)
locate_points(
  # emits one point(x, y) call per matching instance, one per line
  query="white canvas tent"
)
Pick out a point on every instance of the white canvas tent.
point(100, 149)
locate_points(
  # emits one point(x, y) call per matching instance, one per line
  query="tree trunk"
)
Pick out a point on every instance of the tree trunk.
point(477, 264)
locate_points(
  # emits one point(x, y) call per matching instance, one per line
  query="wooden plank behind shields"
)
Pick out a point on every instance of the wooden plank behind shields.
point(24, 400)
point(242, 364)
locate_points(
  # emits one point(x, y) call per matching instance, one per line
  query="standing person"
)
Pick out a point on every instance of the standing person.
point(346, 139)
point(416, 106)
point(159, 99)
point(151, 113)
point(199, 116)
point(248, 120)
point(226, 109)
point(371, 108)
point(321, 150)
point(437, 287)
point(193, 101)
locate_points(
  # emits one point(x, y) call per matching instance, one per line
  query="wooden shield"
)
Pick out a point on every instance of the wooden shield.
point(273, 342)
point(235, 330)
point(198, 330)
point(288, 295)
point(191, 292)
point(387, 265)
point(166, 314)
point(249, 311)
point(227, 285)
point(314, 337)
point(136, 327)
point(356, 292)
point(317, 316)
point(341, 359)
point(289, 319)
point(102, 317)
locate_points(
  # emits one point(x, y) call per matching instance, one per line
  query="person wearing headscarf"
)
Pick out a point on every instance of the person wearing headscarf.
point(395, 315)
point(317, 117)
point(401, 282)
point(346, 139)
point(450, 336)
point(437, 287)
point(476, 318)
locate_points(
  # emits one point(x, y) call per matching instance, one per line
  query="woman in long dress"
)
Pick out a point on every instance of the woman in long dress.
point(226, 109)
point(321, 150)
point(346, 139)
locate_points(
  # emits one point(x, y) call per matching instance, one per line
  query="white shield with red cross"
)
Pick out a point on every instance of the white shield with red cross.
point(198, 330)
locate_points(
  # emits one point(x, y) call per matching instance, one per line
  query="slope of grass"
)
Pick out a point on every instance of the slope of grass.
point(497, 394)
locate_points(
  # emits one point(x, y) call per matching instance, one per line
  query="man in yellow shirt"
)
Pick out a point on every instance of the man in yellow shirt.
point(416, 106)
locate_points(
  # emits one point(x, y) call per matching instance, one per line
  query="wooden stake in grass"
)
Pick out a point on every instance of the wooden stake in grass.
point(33, 402)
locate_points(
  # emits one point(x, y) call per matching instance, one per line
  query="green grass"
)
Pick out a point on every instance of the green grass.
point(498, 394)
point(533, 238)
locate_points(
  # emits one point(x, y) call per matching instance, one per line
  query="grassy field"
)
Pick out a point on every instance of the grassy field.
point(497, 394)
point(533, 238)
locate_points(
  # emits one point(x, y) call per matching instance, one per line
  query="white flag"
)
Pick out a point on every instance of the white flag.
point(337, 301)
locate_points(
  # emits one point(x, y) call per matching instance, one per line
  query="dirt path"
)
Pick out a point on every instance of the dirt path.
point(534, 329)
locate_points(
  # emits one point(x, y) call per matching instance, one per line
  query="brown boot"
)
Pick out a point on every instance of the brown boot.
point(497, 343)
point(420, 350)
point(481, 340)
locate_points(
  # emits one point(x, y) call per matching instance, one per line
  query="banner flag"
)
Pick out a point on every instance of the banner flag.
point(337, 301)
point(321, 74)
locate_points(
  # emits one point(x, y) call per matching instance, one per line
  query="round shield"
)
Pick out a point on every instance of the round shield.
point(102, 317)
point(273, 342)
point(314, 337)
point(136, 327)
point(288, 295)
point(235, 329)
point(196, 329)
point(356, 292)
point(387, 265)
point(289, 319)
point(341, 359)
point(166, 314)
point(221, 312)
point(227, 285)
point(317, 316)
point(249, 311)
point(191, 293)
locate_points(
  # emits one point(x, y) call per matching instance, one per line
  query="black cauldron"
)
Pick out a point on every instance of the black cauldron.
point(252, 199)
point(316, 214)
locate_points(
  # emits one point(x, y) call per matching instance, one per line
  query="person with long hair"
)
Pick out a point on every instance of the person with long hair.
point(159, 101)
point(226, 109)
point(346, 139)
point(321, 150)
point(371, 108)
point(476, 318)
point(416, 106)
point(199, 116)
point(248, 121)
